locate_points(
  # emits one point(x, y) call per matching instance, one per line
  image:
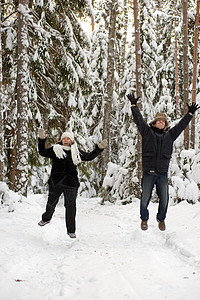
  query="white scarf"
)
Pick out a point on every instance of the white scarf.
point(60, 153)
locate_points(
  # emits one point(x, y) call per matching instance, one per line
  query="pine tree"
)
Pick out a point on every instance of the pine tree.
point(1, 109)
point(194, 81)
point(185, 68)
point(9, 34)
point(65, 75)
point(110, 81)
point(57, 82)
point(22, 99)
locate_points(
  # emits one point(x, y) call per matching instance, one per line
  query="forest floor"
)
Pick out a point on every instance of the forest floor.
point(111, 258)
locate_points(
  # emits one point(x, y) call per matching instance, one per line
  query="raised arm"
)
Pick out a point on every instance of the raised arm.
point(87, 156)
point(137, 117)
point(182, 124)
point(41, 145)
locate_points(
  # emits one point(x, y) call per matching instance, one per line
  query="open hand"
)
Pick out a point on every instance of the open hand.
point(132, 99)
point(192, 108)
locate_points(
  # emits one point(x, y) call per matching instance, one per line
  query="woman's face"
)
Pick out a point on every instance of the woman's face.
point(66, 141)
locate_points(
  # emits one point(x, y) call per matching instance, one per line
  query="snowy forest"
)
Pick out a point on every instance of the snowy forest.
point(68, 65)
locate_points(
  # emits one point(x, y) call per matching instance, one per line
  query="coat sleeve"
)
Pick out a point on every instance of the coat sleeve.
point(178, 128)
point(139, 121)
point(46, 152)
point(87, 156)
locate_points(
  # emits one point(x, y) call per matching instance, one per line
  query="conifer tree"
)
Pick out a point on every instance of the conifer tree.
point(22, 99)
point(185, 68)
point(195, 62)
point(59, 68)
point(110, 81)
point(1, 109)
point(57, 79)
point(8, 111)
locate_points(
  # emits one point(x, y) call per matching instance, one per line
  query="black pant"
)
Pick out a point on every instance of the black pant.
point(70, 194)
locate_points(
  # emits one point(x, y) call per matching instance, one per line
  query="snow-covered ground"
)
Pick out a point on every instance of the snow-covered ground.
point(111, 259)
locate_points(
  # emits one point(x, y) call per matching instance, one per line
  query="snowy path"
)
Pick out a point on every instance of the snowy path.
point(112, 259)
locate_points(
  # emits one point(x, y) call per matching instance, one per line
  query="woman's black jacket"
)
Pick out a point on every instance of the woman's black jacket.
point(157, 145)
point(64, 170)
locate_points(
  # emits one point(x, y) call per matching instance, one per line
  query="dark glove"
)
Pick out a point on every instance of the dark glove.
point(132, 98)
point(192, 108)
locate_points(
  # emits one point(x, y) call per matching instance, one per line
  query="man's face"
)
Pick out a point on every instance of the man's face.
point(66, 141)
point(160, 124)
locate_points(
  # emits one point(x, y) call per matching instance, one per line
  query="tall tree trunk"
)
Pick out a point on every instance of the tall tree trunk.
point(1, 112)
point(138, 89)
point(22, 100)
point(176, 63)
point(124, 40)
point(10, 135)
point(92, 16)
point(185, 68)
point(194, 82)
point(110, 84)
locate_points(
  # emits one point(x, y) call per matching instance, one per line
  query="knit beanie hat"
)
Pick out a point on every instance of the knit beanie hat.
point(61, 154)
point(160, 116)
point(67, 134)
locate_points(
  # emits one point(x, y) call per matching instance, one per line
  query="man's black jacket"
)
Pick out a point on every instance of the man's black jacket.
point(63, 169)
point(157, 145)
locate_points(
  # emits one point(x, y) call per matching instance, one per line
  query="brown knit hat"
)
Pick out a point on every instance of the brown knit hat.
point(160, 116)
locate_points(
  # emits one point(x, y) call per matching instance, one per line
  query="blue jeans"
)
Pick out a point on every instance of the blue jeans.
point(162, 189)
